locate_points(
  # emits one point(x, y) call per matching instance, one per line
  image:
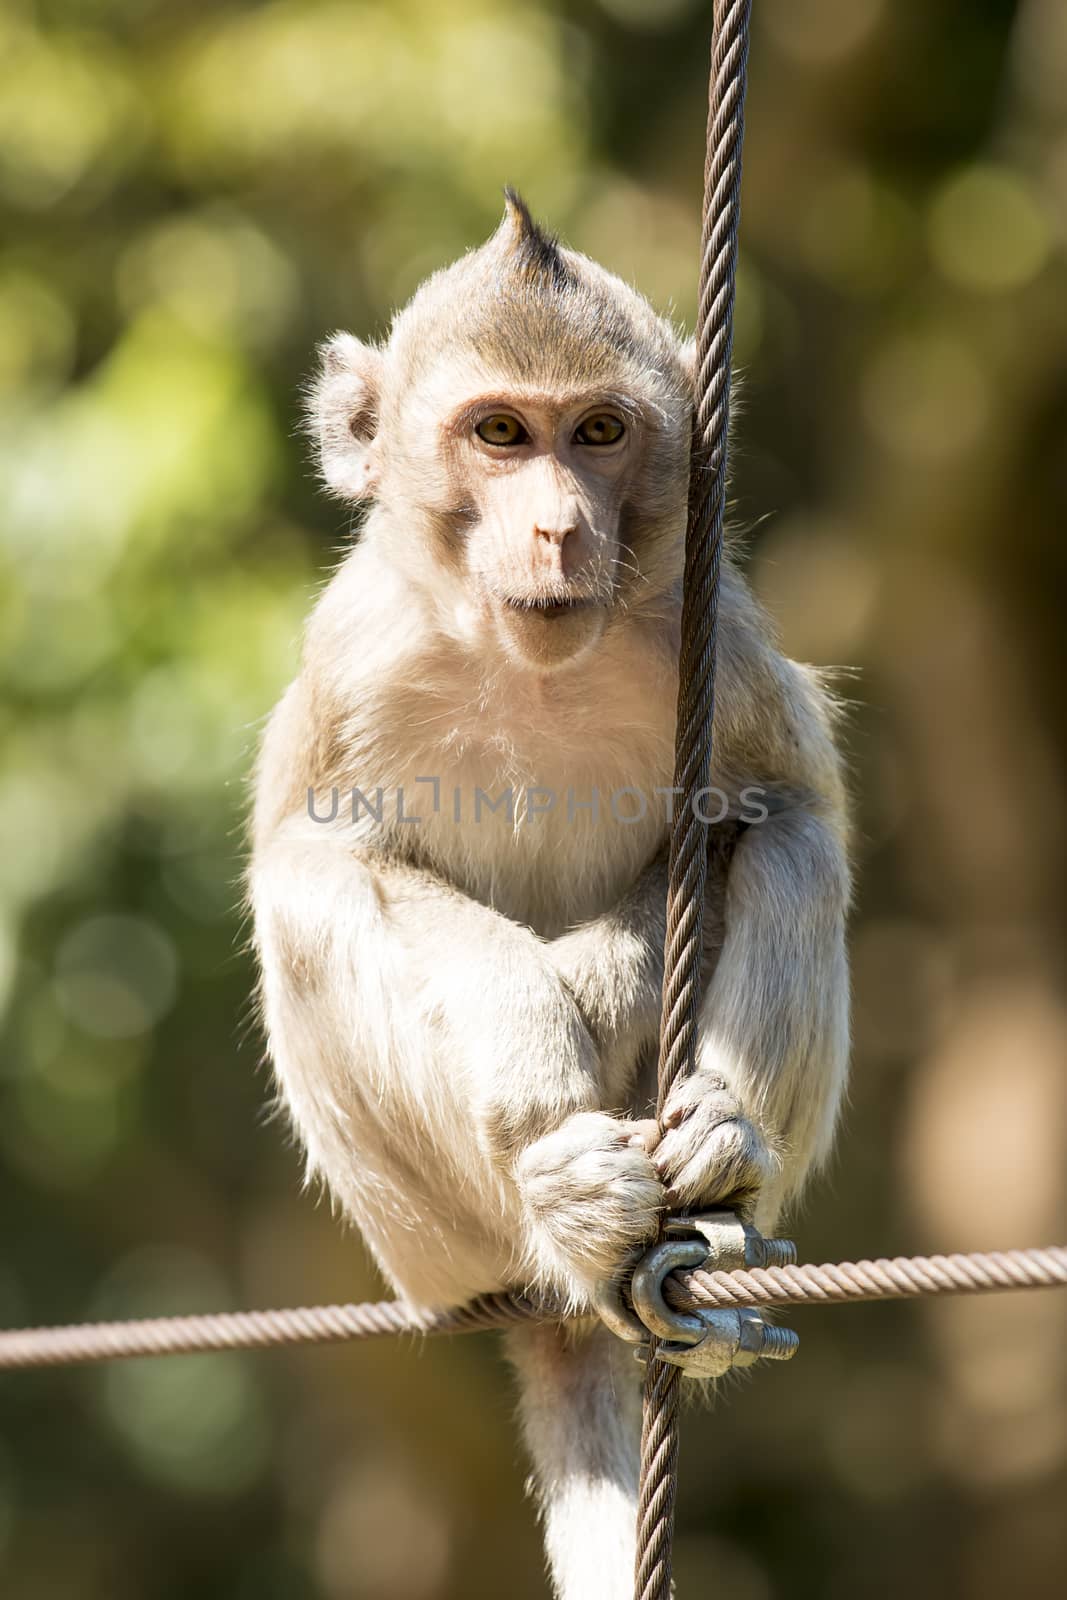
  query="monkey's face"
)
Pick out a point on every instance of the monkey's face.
point(541, 479)
point(525, 432)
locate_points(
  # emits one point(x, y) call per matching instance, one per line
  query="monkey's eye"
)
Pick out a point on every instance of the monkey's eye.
point(601, 428)
point(501, 429)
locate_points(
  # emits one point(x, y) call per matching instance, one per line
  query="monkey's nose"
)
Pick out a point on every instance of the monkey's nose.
point(555, 535)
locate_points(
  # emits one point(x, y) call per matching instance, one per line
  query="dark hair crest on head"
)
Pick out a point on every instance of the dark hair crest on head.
point(529, 247)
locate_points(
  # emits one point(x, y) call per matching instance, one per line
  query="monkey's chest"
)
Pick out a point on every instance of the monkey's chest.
point(548, 831)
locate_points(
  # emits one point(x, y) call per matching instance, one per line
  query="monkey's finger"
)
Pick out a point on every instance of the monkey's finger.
point(646, 1135)
point(675, 1117)
point(728, 1163)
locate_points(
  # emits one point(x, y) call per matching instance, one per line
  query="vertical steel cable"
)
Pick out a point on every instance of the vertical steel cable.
point(696, 706)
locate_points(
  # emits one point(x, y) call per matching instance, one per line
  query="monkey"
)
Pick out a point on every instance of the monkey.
point(461, 964)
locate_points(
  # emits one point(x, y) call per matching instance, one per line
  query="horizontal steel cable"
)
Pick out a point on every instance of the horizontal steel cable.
point(902, 1278)
point(250, 1330)
point(899, 1278)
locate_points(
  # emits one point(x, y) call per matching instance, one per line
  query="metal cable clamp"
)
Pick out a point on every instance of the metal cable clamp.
point(705, 1344)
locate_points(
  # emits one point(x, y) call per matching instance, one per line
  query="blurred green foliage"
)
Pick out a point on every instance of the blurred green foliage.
point(192, 195)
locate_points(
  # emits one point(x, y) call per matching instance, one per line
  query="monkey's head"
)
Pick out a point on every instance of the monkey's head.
point(525, 433)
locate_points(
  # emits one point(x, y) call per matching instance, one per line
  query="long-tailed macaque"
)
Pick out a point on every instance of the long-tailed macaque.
point(458, 870)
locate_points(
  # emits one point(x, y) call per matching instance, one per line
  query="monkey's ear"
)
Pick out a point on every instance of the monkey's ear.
point(688, 356)
point(343, 415)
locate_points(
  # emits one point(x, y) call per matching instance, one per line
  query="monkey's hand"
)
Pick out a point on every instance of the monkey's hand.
point(591, 1195)
point(710, 1151)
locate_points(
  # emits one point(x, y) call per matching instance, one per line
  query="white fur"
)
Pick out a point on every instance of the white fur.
point(462, 1013)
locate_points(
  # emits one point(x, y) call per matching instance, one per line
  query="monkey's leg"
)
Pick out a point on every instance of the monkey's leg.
point(581, 1414)
point(759, 1109)
point(427, 1044)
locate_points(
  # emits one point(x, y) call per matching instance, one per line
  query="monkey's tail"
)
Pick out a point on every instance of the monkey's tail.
point(581, 1416)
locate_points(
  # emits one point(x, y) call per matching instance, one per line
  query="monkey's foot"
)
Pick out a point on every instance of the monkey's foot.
point(591, 1195)
point(709, 1152)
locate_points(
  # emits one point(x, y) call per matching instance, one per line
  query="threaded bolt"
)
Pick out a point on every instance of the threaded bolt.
point(778, 1344)
point(779, 1252)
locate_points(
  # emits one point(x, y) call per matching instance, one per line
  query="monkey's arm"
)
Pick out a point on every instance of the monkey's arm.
point(759, 1110)
point(373, 942)
point(400, 1008)
point(613, 965)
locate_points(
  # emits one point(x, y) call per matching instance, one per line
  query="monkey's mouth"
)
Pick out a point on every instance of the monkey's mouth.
point(548, 606)
point(549, 628)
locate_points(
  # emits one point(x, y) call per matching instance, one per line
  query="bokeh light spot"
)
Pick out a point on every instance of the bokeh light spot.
point(647, 18)
point(216, 273)
point(116, 975)
point(819, 32)
point(37, 334)
point(926, 396)
point(820, 585)
point(856, 231)
point(381, 1533)
point(988, 231)
point(194, 1423)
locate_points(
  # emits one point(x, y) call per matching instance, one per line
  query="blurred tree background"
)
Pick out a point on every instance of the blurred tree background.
point(193, 194)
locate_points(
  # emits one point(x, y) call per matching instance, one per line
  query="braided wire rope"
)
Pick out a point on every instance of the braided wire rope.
point(833, 1283)
point(843, 1282)
point(683, 949)
point(251, 1330)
